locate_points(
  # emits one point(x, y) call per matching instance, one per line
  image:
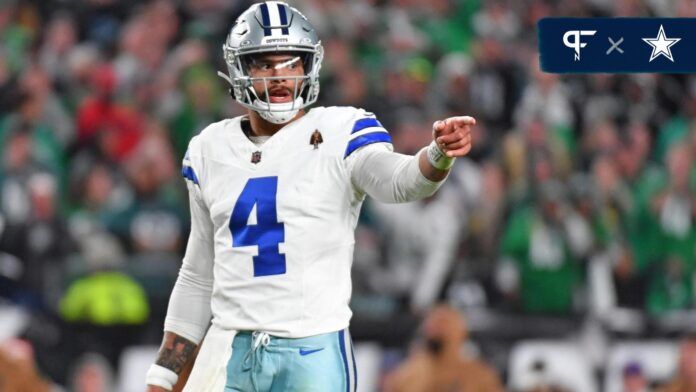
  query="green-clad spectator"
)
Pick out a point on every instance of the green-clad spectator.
point(449, 26)
point(612, 205)
point(642, 229)
point(671, 287)
point(153, 220)
point(538, 247)
point(638, 173)
point(673, 206)
point(15, 38)
point(28, 146)
point(612, 200)
point(669, 210)
point(46, 148)
point(673, 131)
point(105, 299)
point(202, 106)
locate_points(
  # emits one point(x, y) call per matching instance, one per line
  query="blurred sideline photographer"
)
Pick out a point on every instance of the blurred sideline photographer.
point(685, 381)
point(438, 363)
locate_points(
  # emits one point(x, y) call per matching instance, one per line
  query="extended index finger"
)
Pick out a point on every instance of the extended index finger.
point(461, 120)
point(452, 124)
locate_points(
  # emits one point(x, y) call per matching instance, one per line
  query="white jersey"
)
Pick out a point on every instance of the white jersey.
point(272, 232)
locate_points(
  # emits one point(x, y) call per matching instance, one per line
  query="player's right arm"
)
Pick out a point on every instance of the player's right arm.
point(188, 314)
point(176, 354)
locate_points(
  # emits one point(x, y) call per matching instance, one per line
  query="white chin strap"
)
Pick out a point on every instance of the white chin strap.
point(278, 113)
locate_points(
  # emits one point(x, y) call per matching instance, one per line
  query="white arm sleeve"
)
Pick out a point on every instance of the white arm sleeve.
point(189, 311)
point(388, 176)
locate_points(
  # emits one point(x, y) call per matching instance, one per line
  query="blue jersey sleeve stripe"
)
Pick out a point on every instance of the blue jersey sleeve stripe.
point(365, 123)
point(364, 140)
point(188, 173)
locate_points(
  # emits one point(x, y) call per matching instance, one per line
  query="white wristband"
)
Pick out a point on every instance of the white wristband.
point(161, 376)
point(437, 158)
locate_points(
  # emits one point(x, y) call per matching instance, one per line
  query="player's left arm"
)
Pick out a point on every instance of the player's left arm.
point(451, 139)
point(397, 178)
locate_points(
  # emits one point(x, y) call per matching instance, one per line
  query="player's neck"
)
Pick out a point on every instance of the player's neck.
point(261, 127)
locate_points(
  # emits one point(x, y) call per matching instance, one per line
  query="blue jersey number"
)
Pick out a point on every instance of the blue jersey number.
point(267, 233)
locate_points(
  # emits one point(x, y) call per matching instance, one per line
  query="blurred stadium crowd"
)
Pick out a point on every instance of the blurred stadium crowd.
point(573, 220)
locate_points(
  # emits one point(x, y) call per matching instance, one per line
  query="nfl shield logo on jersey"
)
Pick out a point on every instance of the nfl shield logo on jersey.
point(256, 157)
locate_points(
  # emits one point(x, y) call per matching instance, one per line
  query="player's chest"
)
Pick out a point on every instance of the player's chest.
point(275, 183)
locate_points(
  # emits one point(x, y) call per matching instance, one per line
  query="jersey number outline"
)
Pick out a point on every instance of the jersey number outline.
point(267, 233)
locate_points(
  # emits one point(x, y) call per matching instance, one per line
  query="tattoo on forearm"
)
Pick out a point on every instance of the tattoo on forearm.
point(175, 353)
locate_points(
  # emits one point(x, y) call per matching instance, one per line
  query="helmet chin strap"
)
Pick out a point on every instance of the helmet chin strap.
point(278, 113)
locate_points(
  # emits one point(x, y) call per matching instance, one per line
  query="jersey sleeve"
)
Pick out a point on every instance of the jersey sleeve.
point(189, 311)
point(375, 169)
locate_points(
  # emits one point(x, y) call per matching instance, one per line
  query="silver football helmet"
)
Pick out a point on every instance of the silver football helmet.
point(272, 26)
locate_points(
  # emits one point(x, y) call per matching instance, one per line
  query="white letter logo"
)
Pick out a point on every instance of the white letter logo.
point(575, 43)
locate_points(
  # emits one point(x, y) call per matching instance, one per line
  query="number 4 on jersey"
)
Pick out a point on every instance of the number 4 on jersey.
point(267, 233)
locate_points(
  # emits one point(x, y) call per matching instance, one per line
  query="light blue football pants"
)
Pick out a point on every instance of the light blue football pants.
point(264, 363)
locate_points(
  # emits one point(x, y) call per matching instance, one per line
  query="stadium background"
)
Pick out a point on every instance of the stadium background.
point(572, 220)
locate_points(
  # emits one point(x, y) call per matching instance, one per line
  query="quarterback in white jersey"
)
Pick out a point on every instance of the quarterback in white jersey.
point(275, 197)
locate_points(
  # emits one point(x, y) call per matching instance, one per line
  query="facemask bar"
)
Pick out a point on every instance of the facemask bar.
point(251, 96)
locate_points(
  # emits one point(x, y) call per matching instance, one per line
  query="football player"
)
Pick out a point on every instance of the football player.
point(275, 197)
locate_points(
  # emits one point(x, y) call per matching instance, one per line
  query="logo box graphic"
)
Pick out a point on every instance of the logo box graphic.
point(618, 45)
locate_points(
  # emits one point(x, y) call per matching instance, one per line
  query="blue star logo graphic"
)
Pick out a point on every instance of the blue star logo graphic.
point(661, 45)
